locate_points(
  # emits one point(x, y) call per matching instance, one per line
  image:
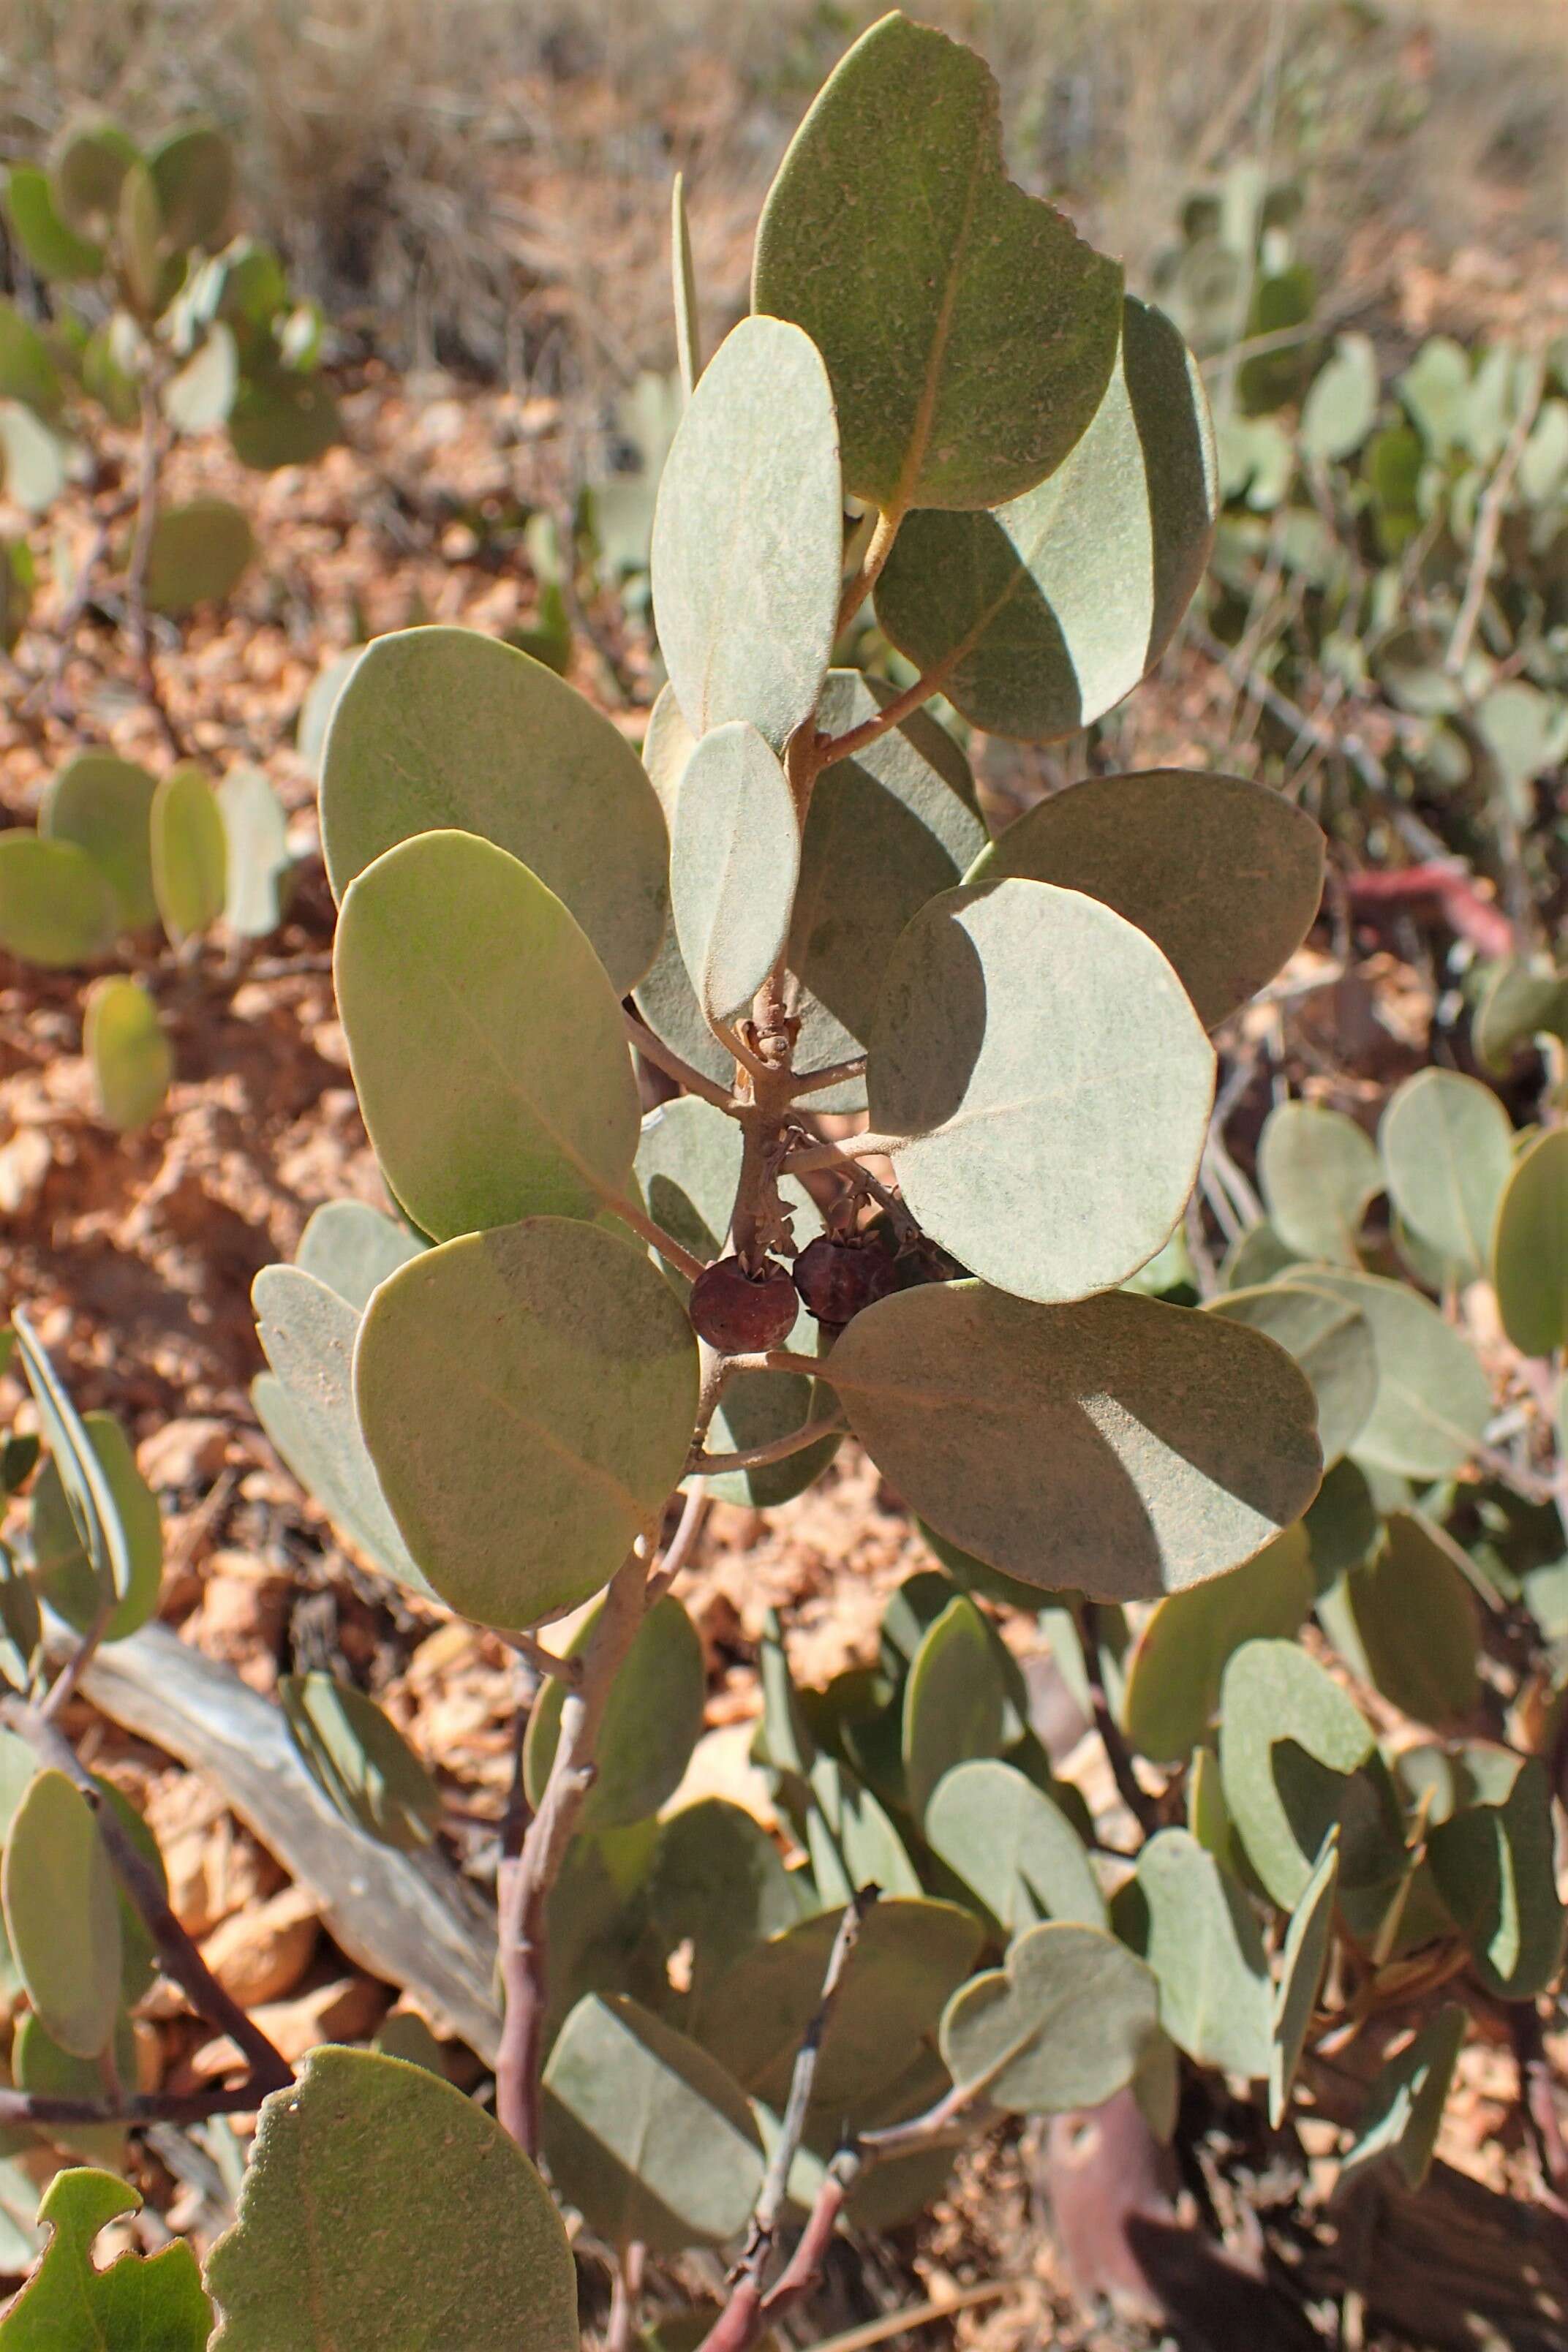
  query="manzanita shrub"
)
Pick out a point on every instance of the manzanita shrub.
point(157, 317)
point(119, 856)
point(511, 1393)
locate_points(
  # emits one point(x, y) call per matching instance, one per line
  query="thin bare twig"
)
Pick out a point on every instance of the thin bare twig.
point(64, 1687)
point(547, 1663)
point(151, 453)
point(1489, 519)
point(816, 1082)
point(664, 1058)
point(677, 1550)
point(757, 1457)
point(641, 1224)
point(869, 571)
point(626, 2293)
point(749, 2308)
point(1133, 1795)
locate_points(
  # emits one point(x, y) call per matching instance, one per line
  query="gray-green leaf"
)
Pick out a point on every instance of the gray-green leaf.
point(748, 536)
point(1179, 1444)
point(734, 857)
point(527, 1396)
point(1064, 2024)
point(1223, 876)
point(486, 1042)
point(1039, 618)
point(968, 334)
point(372, 2187)
point(1052, 1082)
point(646, 2133)
point(442, 728)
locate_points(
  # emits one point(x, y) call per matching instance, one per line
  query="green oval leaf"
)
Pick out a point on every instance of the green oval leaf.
point(282, 419)
point(1521, 1003)
point(359, 1760)
point(105, 805)
point(1331, 1340)
point(438, 728)
point(1204, 1946)
point(258, 863)
point(1530, 1250)
point(88, 160)
point(196, 555)
point(1302, 1960)
point(1493, 1863)
point(1223, 876)
point(718, 1883)
point(60, 1914)
point(51, 246)
point(201, 396)
point(996, 1003)
point(32, 458)
point(1448, 1147)
point(968, 334)
point(1434, 1400)
point(652, 1721)
point(850, 1840)
point(1404, 2109)
point(885, 832)
point(131, 1058)
point(748, 536)
point(55, 907)
point(71, 2304)
point(733, 858)
point(189, 853)
point(305, 1406)
point(954, 1700)
point(39, 2065)
point(1289, 1738)
point(646, 2133)
point(94, 1504)
point(1012, 1847)
point(1179, 1446)
point(61, 1562)
point(1340, 407)
point(486, 1043)
point(527, 1396)
point(1175, 1672)
point(27, 371)
point(1319, 1171)
point(352, 1248)
point(341, 2219)
point(1412, 1623)
point(1064, 2024)
point(1039, 618)
point(910, 1957)
point(193, 172)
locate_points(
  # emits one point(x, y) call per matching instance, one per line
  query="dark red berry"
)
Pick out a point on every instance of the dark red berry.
point(741, 1313)
point(837, 1278)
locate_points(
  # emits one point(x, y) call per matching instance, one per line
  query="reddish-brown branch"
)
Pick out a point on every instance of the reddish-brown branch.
point(525, 1879)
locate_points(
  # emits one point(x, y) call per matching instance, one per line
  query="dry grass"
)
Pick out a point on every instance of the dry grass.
point(483, 182)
